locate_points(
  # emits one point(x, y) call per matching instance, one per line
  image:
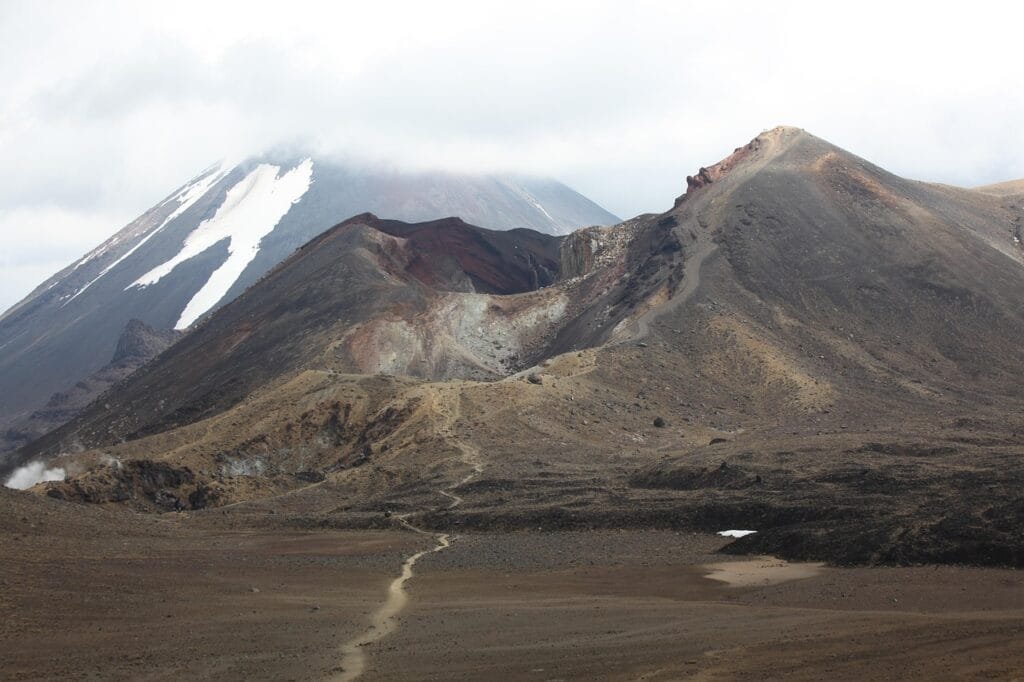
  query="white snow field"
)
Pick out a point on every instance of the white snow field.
point(251, 210)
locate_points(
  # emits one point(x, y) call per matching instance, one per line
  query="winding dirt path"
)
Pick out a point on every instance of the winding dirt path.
point(641, 327)
point(384, 620)
point(456, 500)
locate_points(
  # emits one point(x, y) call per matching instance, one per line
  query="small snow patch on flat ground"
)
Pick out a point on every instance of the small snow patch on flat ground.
point(736, 533)
point(34, 472)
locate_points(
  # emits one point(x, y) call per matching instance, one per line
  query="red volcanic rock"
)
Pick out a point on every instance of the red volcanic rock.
point(702, 178)
point(706, 176)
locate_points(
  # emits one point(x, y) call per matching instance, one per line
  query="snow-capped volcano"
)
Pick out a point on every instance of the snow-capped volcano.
point(212, 238)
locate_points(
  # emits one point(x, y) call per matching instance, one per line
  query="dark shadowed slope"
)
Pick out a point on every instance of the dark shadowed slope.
point(138, 344)
point(494, 262)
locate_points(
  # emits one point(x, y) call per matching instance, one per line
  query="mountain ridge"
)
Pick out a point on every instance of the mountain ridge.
point(805, 345)
point(210, 239)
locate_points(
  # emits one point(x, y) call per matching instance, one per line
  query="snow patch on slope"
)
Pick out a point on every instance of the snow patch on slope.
point(536, 204)
point(251, 210)
point(556, 225)
point(192, 193)
point(95, 253)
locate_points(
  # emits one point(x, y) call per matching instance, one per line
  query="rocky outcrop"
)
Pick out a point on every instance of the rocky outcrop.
point(711, 174)
point(577, 254)
point(142, 482)
point(139, 341)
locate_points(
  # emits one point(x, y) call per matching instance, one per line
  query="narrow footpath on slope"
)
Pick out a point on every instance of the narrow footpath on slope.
point(641, 327)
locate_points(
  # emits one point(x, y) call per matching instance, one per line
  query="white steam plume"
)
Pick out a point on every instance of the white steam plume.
point(32, 473)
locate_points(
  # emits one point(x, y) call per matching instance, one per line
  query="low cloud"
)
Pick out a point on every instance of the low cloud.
point(620, 101)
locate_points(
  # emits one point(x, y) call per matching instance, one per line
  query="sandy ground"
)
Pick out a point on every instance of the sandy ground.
point(562, 606)
point(109, 595)
point(761, 571)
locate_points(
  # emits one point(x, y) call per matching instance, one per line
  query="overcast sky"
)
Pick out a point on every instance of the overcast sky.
point(105, 107)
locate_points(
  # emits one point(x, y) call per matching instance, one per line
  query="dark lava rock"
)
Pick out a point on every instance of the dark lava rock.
point(660, 422)
point(158, 483)
point(203, 497)
point(139, 340)
point(723, 477)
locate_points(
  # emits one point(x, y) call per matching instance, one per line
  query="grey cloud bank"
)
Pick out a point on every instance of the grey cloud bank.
point(108, 106)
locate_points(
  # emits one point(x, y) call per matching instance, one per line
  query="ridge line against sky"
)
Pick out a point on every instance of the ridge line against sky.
point(108, 106)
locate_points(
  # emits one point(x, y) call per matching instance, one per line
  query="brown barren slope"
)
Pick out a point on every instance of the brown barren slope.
point(1003, 189)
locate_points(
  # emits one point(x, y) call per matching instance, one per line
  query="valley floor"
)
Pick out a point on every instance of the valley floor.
point(108, 595)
